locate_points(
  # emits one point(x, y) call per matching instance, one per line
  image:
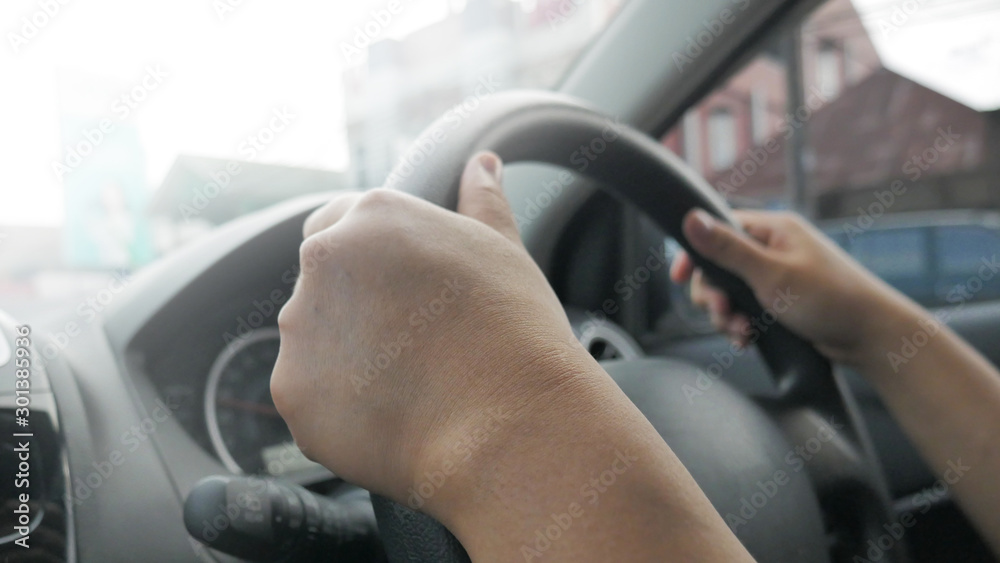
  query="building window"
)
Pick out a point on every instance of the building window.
point(759, 115)
point(828, 68)
point(692, 139)
point(721, 138)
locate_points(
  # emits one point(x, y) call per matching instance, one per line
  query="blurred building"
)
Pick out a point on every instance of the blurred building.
point(102, 168)
point(887, 129)
point(836, 55)
point(405, 84)
point(105, 199)
point(864, 126)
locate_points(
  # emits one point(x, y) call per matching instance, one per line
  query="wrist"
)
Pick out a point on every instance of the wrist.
point(580, 457)
point(517, 406)
point(888, 321)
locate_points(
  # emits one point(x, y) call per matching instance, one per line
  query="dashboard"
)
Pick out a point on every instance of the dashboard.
point(171, 387)
point(209, 351)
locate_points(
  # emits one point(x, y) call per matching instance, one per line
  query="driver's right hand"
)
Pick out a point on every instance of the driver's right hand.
point(807, 282)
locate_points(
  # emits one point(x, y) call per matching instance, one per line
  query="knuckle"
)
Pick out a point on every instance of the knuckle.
point(789, 219)
point(315, 249)
point(698, 293)
point(777, 278)
point(315, 223)
point(286, 319)
point(380, 198)
point(328, 214)
point(495, 192)
point(723, 244)
point(280, 392)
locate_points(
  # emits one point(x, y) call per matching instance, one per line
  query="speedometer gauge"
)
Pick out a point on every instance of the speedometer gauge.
point(245, 428)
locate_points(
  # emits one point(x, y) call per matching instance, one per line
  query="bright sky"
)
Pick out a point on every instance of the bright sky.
point(951, 46)
point(232, 70)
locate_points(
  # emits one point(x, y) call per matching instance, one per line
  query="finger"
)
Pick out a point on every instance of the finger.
point(723, 245)
point(481, 195)
point(718, 303)
point(718, 309)
point(738, 328)
point(758, 224)
point(698, 287)
point(329, 214)
point(681, 268)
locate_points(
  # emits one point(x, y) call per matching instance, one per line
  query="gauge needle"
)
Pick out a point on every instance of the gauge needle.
point(266, 410)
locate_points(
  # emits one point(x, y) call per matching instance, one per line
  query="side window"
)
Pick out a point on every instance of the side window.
point(962, 250)
point(895, 254)
point(901, 257)
point(717, 137)
point(967, 263)
point(871, 126)
point(780, 106)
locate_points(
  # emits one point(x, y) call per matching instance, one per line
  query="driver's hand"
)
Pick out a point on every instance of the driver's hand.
point(412, 328)
point(807, 282)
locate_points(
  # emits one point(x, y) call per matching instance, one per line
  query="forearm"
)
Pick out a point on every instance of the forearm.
point(946, 397)
point(588, 479)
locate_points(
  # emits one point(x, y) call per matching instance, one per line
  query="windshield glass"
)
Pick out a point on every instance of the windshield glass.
point(133, 128)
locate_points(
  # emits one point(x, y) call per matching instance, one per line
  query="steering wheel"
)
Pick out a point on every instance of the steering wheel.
point(744, 454)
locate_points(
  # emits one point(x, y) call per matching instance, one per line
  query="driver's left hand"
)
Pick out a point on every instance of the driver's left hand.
point(411, 326)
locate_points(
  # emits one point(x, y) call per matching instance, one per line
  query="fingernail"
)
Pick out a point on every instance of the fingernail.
point(491, 166)
point(702, 225)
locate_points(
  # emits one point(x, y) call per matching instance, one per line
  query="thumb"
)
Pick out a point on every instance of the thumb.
point(725, 246)
point(481, 196)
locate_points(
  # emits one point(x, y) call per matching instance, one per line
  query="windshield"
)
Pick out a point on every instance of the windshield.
point(137, 127)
